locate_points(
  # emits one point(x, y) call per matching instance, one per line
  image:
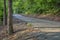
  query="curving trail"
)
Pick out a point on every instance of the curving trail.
point(37, 22)
point(46, 30)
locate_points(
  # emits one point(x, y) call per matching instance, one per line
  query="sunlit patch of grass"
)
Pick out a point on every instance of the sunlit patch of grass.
point(29, 24)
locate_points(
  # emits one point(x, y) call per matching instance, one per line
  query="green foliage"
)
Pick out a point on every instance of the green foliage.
point(37, 6)
point(33, 6)
point(1, 9)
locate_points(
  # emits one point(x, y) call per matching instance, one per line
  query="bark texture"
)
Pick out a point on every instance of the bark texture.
point(10, 22)
point(4, 14)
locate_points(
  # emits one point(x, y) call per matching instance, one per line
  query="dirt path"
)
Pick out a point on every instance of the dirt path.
point(37, 22)
point(38, 30)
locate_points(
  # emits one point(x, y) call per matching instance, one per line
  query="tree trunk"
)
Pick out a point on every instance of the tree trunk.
point(10, 22)
point(4, 14)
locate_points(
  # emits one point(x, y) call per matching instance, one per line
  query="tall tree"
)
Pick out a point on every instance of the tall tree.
point(4, 14)
point(10, 24)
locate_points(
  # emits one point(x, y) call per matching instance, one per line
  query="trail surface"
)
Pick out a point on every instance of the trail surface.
point(37, 22)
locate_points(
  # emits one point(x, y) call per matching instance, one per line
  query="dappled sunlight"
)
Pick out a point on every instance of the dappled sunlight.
point(31, 35)
point(29, 19)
